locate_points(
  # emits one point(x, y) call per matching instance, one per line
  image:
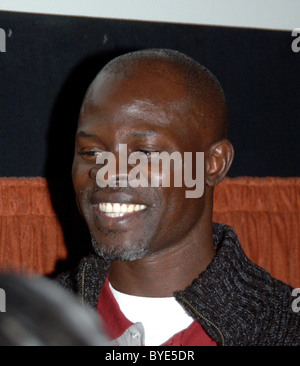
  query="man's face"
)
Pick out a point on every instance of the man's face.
point(147, 114)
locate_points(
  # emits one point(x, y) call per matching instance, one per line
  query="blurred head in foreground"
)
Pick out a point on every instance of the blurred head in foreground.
point(36, 312)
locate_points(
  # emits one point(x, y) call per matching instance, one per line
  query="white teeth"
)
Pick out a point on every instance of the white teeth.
point(116, 207)
point(123, 208)
point(118, 210)
point(130, 208)
point(108, 207)
point(112, 214)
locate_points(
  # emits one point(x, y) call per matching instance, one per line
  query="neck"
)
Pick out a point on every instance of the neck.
point(162, 273)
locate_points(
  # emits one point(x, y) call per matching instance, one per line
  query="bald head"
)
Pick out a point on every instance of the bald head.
point(204, 96)
point(154, 101)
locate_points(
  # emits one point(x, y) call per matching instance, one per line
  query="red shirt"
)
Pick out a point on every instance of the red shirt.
point(116, 324)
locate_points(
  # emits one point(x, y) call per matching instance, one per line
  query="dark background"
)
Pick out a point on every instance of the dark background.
point(50, 61)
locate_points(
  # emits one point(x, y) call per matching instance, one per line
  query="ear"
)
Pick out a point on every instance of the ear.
point(218, 161)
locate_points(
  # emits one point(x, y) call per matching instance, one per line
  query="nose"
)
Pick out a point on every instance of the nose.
point(110, 170)
point(115, 170)
point(93, 172)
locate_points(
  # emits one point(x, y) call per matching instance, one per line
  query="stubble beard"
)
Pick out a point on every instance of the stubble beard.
point(122, 253)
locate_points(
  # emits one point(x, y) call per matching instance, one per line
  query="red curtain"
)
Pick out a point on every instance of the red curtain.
point(265, 213)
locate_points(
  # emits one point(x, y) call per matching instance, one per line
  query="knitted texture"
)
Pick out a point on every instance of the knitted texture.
point(242, 303)
point(236, 302)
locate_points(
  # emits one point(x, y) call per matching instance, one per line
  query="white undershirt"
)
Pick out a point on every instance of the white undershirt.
point(162, 317)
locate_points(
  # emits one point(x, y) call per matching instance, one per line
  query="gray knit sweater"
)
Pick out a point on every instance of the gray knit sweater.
point(235, 301)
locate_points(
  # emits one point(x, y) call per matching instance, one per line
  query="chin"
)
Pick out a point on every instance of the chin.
point(120, 252)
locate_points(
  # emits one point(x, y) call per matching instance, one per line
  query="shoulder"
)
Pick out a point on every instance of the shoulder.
point(86, 280)
point(245, 304)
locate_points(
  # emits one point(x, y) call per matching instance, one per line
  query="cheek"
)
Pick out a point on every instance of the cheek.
point(181, 213)
point(165, 172)
point(82, 184)
point(178, 216)
point(173, 204)
point(80, 175)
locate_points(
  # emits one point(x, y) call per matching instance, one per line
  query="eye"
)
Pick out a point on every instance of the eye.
point(146, 152)
point(89, 155)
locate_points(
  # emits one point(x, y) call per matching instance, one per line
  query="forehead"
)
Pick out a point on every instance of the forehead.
point(159, 86)
point(158, 98)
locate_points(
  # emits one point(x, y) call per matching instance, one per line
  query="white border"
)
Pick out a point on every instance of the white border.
point(266, 14)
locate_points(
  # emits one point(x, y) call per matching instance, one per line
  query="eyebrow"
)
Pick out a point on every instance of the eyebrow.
point(145, 133)
point(85, 135)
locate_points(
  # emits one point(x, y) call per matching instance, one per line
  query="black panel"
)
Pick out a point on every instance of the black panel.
point(50, 61)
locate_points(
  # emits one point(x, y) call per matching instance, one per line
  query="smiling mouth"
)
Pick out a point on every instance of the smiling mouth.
point(112, 209)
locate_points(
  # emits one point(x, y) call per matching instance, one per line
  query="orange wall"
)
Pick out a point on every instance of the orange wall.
point(265, 212)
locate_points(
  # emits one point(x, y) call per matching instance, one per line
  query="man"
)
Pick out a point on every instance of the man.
point(163, 273)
